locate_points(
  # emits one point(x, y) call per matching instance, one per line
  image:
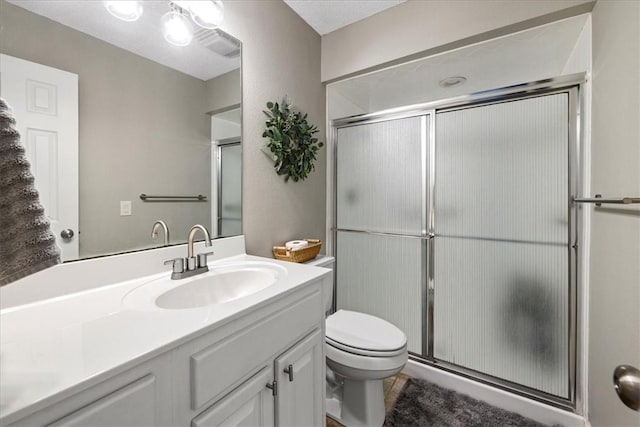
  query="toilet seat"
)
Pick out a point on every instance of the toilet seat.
point(376, 366)
point(364, 342)
point(363, 334)
point(363, 351)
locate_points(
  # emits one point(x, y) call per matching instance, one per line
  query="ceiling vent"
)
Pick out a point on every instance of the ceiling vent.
point(218, 42)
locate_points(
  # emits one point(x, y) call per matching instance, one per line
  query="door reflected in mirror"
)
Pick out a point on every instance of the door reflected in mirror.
point(109, 110)
point(227, 178)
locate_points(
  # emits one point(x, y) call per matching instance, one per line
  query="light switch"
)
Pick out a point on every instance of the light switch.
point(125, 207)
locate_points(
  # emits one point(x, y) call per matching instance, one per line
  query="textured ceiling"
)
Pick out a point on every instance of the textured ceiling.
point(530, 55)
point(142, 37)
point(326, 16)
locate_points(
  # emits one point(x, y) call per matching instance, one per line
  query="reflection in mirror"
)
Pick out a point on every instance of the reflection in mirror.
point(227, 177)
point(109, 110)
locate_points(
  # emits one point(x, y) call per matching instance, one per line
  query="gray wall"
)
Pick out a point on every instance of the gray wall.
point(224, 91)
point(418, 27)
point(614, 316)
point(281, 56)
point(143, 129)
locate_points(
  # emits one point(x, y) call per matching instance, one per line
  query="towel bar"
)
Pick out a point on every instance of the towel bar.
point(599, 200)
point(198, 198)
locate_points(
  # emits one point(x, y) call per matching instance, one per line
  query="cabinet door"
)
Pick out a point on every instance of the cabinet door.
point(251, 404)
point(133, 405)
point(300, 378)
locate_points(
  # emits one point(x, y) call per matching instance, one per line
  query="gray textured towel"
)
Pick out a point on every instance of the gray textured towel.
point(27, 244)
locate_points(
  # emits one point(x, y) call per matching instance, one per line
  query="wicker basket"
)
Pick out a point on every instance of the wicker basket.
point(298, 255)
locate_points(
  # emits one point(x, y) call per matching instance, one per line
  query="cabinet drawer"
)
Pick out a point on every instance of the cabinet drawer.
point(251, 404)
point(216, 368)
point(132, 405)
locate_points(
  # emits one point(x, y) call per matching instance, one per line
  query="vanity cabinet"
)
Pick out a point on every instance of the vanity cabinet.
point(137, 397)
point(223, 368)
point(286, 392)
point(262, 367)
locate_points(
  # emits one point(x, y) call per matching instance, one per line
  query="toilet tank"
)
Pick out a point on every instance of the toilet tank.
point(327, 283)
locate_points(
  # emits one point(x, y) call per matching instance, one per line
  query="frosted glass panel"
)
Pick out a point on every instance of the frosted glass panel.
point(501, 171)
point(501, 251)
point(380, 275)
point(501, 309)
point(379, 176)
point(230, 190)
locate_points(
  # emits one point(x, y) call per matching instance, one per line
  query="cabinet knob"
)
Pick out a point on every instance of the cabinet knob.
point(289, 370)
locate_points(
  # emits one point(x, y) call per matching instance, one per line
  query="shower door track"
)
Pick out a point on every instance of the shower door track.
point(570, 84)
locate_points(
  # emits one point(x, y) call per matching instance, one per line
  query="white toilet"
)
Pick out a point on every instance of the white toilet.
point(361, 350)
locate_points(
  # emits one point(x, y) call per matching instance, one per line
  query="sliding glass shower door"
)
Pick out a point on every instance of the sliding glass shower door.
point(455, 224)
point(501, 248)
point(380, 221)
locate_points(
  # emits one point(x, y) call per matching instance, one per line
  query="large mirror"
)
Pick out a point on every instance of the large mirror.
point(122, 127)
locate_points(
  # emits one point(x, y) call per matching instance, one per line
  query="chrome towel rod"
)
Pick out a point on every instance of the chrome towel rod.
point(198, 198)
point(599, 200)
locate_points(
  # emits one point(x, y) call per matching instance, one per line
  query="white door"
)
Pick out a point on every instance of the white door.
point(45, 104)
point(614, 284)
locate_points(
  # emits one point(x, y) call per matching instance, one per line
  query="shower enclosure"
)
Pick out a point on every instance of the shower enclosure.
point(454, 221)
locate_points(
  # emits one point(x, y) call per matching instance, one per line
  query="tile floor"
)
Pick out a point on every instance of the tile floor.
point(391, 387)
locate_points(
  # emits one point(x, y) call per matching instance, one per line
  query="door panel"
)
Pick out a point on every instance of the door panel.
point(501, 252)
point(379, 176)
point(614, 267)
point(381, 276)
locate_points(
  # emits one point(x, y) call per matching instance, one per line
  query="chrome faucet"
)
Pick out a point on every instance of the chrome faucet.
point(191, 265)
point(156, 227)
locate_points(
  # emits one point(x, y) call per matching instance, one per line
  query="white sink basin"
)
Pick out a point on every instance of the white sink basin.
point(223, 283)
point(216, 288)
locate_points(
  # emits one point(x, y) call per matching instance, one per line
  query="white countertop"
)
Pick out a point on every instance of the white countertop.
point(51, 349)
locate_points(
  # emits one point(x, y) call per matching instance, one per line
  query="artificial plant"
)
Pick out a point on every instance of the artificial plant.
point(291, 142)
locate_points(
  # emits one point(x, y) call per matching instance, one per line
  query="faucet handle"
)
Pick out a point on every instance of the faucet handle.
point(202, 259)
point(177, 263)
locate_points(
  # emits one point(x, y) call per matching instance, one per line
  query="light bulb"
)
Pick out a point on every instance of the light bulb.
point(206, 13)
point(176, 28)
point(127, 10)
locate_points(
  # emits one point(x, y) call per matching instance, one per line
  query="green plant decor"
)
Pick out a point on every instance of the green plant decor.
point(291, 144)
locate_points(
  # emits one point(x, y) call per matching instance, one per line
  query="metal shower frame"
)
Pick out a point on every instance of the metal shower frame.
point(573, 85)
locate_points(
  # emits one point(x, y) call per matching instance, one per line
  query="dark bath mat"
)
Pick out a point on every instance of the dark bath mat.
point(422, 403)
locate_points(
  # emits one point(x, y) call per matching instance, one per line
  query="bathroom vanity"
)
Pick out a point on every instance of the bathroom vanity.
point(111, 356)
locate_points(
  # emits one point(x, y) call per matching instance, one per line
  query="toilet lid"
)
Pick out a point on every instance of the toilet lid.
point(363, 331)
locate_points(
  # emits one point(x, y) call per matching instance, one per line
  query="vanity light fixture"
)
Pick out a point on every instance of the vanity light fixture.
point(126, 10)
point(176, 28)
point(205, 13)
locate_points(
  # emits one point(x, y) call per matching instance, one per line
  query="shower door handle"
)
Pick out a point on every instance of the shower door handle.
point(626, 380)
